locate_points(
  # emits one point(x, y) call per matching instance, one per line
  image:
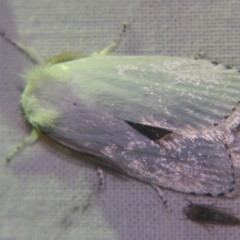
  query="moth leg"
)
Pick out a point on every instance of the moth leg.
point(208, 227)
point(202, 55)
point(161, 195)
point(28, 51)
point(32, 138)
point(87, 203)
point(99, 188)
point(101, 179)
point(199, 55)
point(116, 42)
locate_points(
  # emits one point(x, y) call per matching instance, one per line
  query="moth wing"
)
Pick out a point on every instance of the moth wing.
point(166, 92)
point(186, 166)
point(152, 117)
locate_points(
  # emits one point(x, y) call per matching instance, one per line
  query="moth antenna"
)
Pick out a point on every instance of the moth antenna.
point(32, 138)
point(116, 42)
point(28, 51)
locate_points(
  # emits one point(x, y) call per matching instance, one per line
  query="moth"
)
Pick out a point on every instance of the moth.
point(210, 215)
point(168, 121)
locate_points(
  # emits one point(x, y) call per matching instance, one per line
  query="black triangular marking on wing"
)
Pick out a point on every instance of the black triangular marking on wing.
point(153, 133)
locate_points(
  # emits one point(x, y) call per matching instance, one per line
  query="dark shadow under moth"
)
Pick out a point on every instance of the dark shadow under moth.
point(210, 215)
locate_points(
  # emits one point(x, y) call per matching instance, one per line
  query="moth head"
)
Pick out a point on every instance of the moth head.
point(40, 96)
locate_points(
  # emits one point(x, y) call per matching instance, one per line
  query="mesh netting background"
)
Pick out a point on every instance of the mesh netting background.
point(47, 194)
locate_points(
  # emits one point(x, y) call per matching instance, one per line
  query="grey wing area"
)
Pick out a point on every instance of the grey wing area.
point(166, 92)
point(233, 145)
point(190, 166)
